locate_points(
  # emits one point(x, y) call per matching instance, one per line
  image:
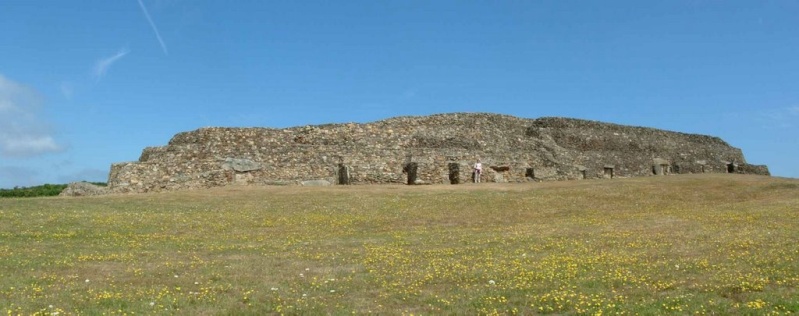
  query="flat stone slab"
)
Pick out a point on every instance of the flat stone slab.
point(240, 165)
point(315, 183)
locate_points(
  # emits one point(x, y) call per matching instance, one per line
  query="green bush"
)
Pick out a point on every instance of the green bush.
point(39, 190)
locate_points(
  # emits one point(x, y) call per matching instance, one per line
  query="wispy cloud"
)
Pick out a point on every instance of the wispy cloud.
point(102, 65)
point(155, 29)
point(22, 132)
point(66, 89)
point(785, 117)
point(29, 145)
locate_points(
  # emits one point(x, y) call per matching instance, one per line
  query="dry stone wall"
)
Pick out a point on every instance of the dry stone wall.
point(432, 149)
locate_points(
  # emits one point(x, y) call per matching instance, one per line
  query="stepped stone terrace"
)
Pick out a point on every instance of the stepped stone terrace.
point(436, 149)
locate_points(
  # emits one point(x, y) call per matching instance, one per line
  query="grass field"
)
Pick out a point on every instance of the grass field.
point(687, 244)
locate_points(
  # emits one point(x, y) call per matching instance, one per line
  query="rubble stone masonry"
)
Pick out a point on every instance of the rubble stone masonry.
point(436, 149)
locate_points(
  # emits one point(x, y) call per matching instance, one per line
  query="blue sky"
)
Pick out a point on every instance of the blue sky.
point(84, 84)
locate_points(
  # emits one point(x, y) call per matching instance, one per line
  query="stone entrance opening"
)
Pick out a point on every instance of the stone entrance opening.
point(660, 166)
point(661, 169)
point(582, 174)
point(411, 168)
point(454, 173)
point(608, 173)
point(343, 174)
point(731, 168)
point(675, 168)
point(530, 173)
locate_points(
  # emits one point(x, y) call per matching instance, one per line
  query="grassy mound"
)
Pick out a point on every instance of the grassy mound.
point(723, 244)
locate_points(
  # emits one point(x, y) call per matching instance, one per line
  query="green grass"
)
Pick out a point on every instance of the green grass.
point(687, 244)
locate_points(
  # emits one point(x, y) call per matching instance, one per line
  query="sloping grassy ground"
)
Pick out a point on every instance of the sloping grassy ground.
point(687, 244)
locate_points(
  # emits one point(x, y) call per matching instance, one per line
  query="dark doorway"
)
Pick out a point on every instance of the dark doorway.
point(454, 173)
point(675, 169)
point(730, 168)
point(343, 174)
point(608, 172)
point(530, 173)
point(582, 172)
point(410, 169)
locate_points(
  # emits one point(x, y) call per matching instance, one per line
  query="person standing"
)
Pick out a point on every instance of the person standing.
point(478, 170)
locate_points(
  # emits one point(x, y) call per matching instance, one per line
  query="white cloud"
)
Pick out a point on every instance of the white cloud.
point(14, 96)
point(102, 65)
point(28, 145)
point(22, 132)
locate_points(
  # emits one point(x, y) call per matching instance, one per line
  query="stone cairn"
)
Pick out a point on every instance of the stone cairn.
point(83, 189)
point(436, 149)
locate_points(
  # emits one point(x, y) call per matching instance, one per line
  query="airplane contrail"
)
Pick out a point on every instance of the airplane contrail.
point(155, 29)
